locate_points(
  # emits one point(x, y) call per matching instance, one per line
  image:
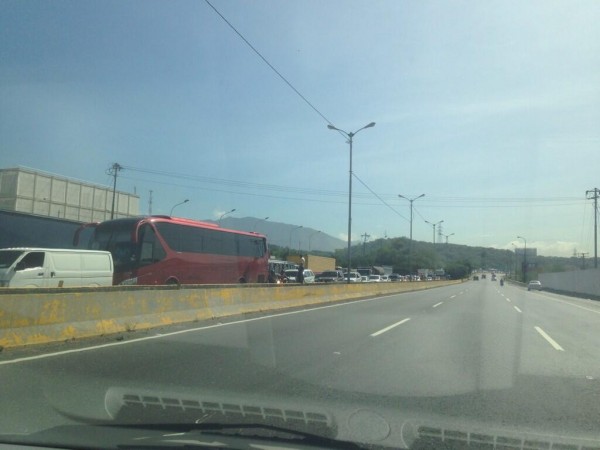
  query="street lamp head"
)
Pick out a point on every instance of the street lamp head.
point(331, 127)
point(372, 124)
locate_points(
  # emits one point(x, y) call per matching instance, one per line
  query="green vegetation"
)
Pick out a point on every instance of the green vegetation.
point(457, 260)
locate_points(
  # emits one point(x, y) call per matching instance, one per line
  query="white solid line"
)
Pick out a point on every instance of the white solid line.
point(552, 342)
point(191, 330)
point(377, 333)
point(437, 304)
point(517, 308)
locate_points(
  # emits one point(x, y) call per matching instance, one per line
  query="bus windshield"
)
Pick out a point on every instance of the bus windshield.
point(118, 241)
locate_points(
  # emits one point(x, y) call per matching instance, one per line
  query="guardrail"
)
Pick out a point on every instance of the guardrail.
point(36, 316)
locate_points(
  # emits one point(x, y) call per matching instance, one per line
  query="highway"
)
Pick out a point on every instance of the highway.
point(475, 355)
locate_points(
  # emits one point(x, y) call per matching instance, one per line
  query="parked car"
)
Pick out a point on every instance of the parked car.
point(395, 277)
point(385, 278)
point(375, 278)
point(534, 284)
point(329, 276)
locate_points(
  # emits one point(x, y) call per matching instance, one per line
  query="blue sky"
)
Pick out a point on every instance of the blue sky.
point(492, 109)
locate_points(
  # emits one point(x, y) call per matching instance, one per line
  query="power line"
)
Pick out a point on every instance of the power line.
point(268, 63)
point(378, 197)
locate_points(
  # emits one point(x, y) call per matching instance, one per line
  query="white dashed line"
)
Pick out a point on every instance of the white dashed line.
point(438, 304)
point(377, 333)
point(552, 342)
point(517, 308)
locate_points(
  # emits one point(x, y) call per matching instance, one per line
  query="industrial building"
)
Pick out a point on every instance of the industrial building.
point(38, 193)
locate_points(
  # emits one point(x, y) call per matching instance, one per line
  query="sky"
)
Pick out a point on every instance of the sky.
point(490, 109)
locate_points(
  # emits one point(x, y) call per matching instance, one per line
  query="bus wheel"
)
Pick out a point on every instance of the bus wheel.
point(172, 282)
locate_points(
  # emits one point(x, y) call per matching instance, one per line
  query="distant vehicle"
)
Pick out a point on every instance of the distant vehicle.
point(365, 271)
point(483, 276)
point(535, 285)
point(354, 277)
point(51, 267)
point(329, 276)
point(156, 250)
point(309, 276)
point(395, 277)
point(291, 275)
point(385, 278)
point(475, 277)
point(375, 278)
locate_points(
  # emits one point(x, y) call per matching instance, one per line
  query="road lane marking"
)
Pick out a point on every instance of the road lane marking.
point(508, 299)
point(438, 304)
point(377, 333)
point(136, 340)
point(453, 296)
point(569, 303)
point(552, 342)
point(517, 308)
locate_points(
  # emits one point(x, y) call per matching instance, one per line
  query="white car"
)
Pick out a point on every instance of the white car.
point(375, 278)
point(309, 276)
point(534, 284)
point(354, 277)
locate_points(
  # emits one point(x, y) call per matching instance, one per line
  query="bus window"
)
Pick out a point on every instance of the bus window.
point(151, 250)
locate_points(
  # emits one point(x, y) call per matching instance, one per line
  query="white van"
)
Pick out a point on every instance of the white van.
point(51, 267)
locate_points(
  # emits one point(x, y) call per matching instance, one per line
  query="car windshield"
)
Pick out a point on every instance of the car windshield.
point(8, 257)
point(452, 144)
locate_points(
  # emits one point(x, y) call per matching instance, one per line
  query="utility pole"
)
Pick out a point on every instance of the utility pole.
point(582, 254)
point(365, 237)
point(113, 171)
point(150, 203)
point(594, 194)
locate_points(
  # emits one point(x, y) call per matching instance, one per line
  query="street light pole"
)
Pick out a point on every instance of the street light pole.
point(293, 229)
point(524, 259)
point(410, 250)
point(434, 225)
point(174, 206)
point(224, 214)
point(310, 237)
point(350, 136)
point(258, 220)
point(447, 236)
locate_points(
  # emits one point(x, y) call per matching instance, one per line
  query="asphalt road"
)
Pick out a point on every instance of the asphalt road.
point(475, 355)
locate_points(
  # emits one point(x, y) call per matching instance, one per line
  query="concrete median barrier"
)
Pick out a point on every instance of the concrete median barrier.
point(35, 316)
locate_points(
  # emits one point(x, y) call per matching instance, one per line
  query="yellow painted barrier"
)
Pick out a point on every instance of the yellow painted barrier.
point(35, 316)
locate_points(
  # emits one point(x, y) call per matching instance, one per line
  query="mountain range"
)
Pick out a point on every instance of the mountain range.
point(285, 235)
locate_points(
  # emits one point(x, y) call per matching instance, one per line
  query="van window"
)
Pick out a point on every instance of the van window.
point(31, 260)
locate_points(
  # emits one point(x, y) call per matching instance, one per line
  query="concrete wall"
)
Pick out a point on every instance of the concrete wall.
point(29, 316)
point(581, 282)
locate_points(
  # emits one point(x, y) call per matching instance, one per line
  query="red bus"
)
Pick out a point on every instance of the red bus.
point(166, 250)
